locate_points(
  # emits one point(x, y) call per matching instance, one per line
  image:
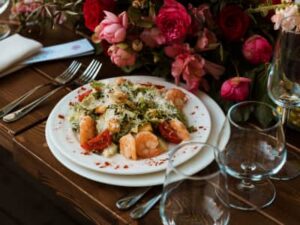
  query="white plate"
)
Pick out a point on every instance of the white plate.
point(66, 141)
point(197, 163)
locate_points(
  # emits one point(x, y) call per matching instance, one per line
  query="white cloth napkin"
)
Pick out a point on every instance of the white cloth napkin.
point(15, 49)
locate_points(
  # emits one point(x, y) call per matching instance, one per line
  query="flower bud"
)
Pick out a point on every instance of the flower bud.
point(137, 45)
point(236, 89)
point(257, 49)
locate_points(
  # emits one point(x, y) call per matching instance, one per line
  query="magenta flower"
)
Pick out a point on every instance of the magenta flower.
point(152, 37)
point(257, 49)
point(236, 89)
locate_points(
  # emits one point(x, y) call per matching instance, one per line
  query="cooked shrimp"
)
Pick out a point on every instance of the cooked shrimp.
point(120, 80)
point(146, 127)
point(128, 147)
point(87, 129)
point(119, 96)
point(147, 145)
point(100, 109)
point(177, 97)
point(114, 125)
point(180, 129)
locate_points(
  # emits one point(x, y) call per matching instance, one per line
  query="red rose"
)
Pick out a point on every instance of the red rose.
point(93, 11)
point(173, 21)
point(233, 22)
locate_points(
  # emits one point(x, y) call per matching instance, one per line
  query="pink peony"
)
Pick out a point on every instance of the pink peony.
point(112, 28)
point(201, 15)
point(236, 89)
point(173, 21)
point(25, 7)
point(257, 49)
point(191, 68)
point(176, 49)
point(152, 37)
point(120, 56)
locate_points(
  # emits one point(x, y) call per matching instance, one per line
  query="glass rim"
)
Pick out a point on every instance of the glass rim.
point(183, 175)
point(256, 102)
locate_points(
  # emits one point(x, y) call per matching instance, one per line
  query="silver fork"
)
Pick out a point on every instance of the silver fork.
point(87, 76)
point(62, 79)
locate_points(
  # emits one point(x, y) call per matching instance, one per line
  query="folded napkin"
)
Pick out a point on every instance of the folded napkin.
point(15, 49)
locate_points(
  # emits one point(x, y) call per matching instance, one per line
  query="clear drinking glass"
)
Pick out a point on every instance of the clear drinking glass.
point(284, 82)
point(255, 150)
point(4, 28)
point(189, 199)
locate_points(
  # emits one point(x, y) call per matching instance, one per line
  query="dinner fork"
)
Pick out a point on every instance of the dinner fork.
point(87, 76)
point(62, 79)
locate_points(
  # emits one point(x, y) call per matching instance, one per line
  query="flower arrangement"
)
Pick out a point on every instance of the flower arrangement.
point(222, 47)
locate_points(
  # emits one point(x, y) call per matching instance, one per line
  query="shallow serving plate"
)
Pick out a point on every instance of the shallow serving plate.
point(195, 164)
point(61, 136)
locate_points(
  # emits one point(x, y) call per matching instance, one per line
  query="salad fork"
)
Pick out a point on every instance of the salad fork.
point(62, 79)
point(87, 76)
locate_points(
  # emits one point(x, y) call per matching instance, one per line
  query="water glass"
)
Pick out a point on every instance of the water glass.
point(189, 199)
point(255, 150)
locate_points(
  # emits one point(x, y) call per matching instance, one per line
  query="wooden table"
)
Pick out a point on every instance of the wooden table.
point(25, 141)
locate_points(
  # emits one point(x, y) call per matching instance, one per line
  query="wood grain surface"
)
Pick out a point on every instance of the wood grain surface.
point(25, 139)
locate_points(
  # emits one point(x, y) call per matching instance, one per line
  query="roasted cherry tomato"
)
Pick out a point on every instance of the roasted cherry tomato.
point(168, 133)
point(99, 143)
point(84, 94)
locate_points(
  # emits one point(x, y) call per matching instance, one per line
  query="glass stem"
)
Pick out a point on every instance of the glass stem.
point(285, 116)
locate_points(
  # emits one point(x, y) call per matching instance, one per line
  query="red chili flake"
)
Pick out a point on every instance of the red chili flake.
point(196, 106)
point(117, 167)
point(107, 163)
point(200, 127)
point(161, 162)
point(83, 88)
point(193, 113)
point(85, 153)
point(71, 103)
point(125, 166)
point(60, 116)
point(97, 163)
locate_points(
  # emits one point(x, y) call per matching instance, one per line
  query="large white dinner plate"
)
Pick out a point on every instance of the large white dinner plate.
point(195, 164)
point(66, 140)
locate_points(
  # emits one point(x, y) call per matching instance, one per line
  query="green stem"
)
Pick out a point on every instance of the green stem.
point(268, 7)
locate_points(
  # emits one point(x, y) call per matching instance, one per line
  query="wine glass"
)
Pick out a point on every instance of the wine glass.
point(189, 199)
point(255, 150)
point(4, 28)
point(284, 82)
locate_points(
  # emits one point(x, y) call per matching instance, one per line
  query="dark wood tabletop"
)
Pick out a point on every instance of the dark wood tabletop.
point(25, 141)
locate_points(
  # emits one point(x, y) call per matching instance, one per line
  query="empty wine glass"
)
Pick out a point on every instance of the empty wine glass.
point(284, 82)
point(4, 28)
point(255, 150)
point(193, 199)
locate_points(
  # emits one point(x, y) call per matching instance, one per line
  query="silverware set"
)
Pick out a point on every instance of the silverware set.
point(68, 77)
point(138, 212)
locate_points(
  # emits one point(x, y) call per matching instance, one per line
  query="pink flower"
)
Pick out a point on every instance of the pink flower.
point(112, 28)
point(280, 14)
point(176, 49)
point(205, 39)
point(257, 49)
point(120, 56)
point(191, 68)
point(152, 37)
point(236, 89)
point(173, 21)
point(25, 7)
